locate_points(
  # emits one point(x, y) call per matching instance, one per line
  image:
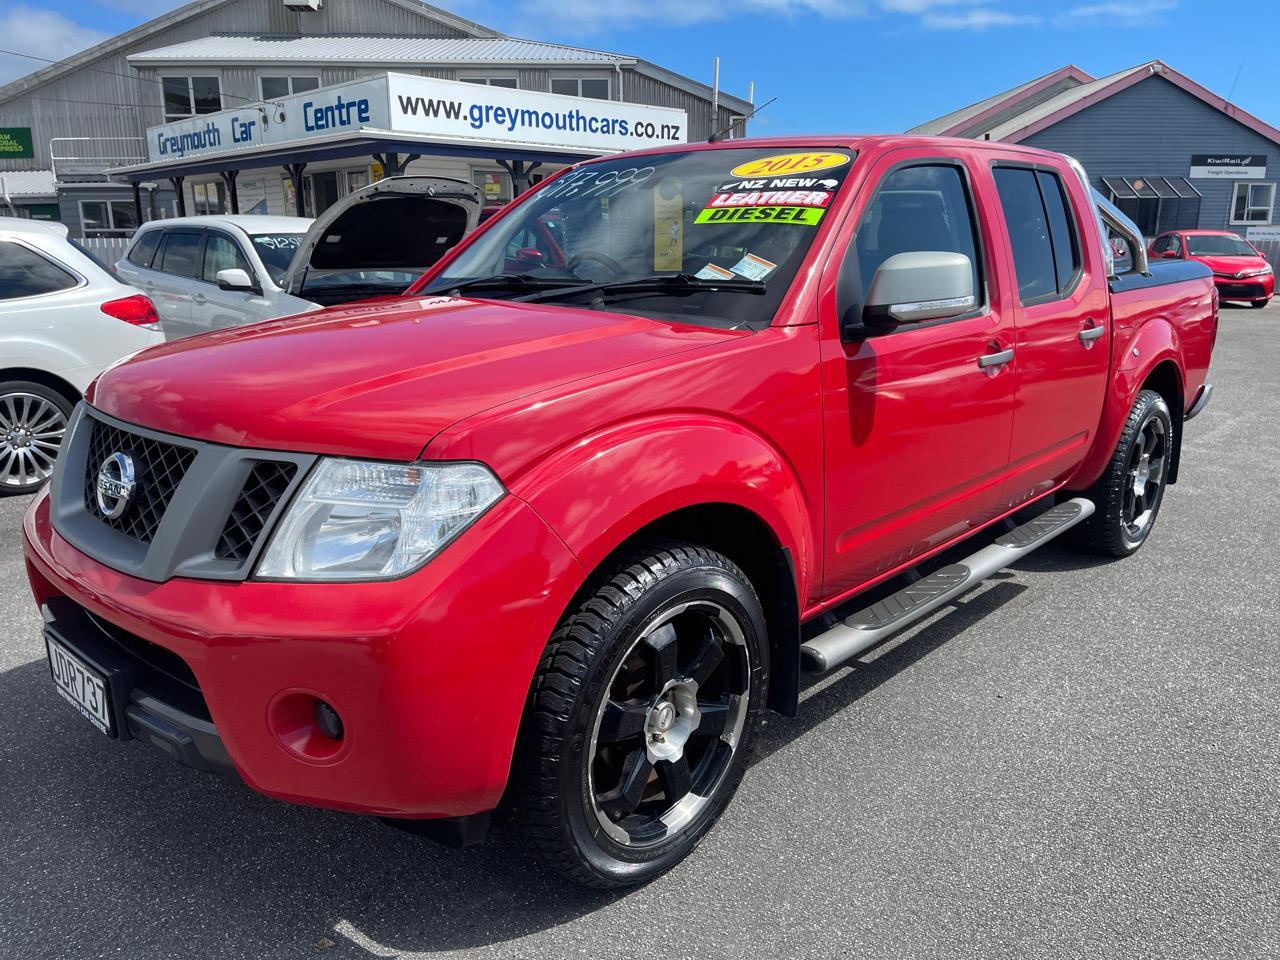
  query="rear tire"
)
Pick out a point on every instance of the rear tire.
point(33, 424)
point(1129, 493)
point(641, 717)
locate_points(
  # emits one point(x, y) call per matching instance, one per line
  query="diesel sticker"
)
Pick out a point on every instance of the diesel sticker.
point(808, 216)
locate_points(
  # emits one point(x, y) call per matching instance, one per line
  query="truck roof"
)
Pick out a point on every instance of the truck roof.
point(887, 141)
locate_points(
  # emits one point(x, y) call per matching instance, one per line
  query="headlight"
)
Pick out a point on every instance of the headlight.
point(1265, 271)
point(358, 520)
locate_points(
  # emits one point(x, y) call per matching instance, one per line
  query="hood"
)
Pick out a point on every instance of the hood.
point(397, 224)
point(375, 380)
point(1230, 266)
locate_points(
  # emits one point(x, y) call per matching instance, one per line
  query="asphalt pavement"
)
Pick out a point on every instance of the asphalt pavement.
point(1080, 760)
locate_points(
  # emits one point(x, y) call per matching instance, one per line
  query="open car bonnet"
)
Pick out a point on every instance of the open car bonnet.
point(395, 226)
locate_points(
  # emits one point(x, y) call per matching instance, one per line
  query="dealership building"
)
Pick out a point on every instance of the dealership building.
point(283, 106)
point(1170, 153)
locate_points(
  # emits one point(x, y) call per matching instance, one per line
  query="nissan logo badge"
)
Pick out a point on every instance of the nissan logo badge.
point(115, 485)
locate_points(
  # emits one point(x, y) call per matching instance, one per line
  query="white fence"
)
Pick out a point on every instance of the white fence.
point(106, 249)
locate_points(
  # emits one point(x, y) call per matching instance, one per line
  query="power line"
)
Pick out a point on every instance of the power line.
point(125, 76)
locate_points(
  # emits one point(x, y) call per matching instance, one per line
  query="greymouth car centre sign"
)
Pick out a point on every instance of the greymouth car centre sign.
point(399, 103)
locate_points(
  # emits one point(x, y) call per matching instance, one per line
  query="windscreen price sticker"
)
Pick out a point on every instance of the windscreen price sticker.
point(592, 183)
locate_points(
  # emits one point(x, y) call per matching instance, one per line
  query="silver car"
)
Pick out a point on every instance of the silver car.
point(205, 273)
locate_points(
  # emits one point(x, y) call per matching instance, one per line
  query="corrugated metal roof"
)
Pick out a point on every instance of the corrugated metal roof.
point(28, 183)
point(1055, 104)
point(380, 50)
point(944, 125)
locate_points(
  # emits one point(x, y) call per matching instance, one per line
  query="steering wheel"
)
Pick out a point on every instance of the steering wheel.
point(612, 264)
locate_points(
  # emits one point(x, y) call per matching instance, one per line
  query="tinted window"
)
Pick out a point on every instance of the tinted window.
point(917, 209)
point(180, 254)
point(222, 253)
point(1162, 244)
point(1028, 232)
point(1062, 229)
point(142, 252)
point(24, 273)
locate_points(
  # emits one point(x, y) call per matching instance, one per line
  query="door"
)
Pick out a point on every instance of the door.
point(173, 276)
point(916, 421)
point(213, 308)
point(1062, 321)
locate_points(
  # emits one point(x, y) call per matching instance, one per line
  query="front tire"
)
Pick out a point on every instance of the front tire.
point(641, 717)
point(33, 423)
point(1259, 304)
point(1129, 493)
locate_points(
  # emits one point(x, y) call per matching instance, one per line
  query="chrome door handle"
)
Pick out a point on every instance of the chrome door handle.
point(1090, 334)
point(198, 298)
point(995, 359)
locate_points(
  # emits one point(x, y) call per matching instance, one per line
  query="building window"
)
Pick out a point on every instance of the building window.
point(1252, 202)
point(209, 198)
point(508, 82)
point(274, 88)
point(189, 96)
point(592, 88)
point(108, 218)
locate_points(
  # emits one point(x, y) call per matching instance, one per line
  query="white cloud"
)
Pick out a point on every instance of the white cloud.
point(978, 18)
point(1111, 13)
point(40, 33)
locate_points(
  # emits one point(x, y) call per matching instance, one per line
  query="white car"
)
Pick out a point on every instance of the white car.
point(64, 318)
point(205, 273)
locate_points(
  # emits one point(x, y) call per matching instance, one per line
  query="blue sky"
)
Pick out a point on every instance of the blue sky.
point(848, 65)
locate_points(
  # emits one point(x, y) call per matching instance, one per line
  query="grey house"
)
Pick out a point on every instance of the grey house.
point(87, 118)
point(1172, 154)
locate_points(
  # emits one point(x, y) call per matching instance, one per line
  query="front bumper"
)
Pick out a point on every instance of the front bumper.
point(429, 673)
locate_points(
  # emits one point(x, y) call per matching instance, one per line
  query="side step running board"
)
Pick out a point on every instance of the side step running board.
point(869, 626)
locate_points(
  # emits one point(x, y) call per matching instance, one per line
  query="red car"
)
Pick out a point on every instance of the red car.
point(1240, 271)
point(552, 541)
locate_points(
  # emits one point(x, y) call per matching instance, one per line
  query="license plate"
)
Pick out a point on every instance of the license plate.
point(80, 685)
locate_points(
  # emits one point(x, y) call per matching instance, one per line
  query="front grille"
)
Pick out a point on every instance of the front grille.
point(1250, 291)
point(158, 467)
point(163, 672)
point(265, 485)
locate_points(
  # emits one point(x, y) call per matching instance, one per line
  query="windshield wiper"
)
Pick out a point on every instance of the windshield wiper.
point(661, 282)
point(505, 281)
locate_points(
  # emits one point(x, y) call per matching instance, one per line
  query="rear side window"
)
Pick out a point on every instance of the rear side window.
point(24, 273)
point(924, 208)
point(142, 252)
point(1046, 251)
point(180, 254)
point(223, 253)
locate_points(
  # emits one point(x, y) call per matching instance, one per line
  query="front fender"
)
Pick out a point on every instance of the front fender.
point(1138, 354)
point(602, 489)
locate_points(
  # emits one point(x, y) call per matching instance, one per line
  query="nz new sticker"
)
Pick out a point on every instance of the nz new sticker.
point(807, 216)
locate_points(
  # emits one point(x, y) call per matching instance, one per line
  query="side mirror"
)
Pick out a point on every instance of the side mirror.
point(237, 280)
point(1170, 254)
point(529, 255)
point(918, 286)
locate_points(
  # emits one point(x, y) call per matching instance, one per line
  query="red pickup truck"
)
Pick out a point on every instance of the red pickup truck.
point(549, 534)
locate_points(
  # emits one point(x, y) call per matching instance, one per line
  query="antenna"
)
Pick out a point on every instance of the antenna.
point(720, 134)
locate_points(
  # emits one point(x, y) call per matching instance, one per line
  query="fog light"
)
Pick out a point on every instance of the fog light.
point(328, 721)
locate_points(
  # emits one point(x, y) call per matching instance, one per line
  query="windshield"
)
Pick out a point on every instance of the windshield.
point(276, 251)
point(1214, 245)
point(729, 216)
